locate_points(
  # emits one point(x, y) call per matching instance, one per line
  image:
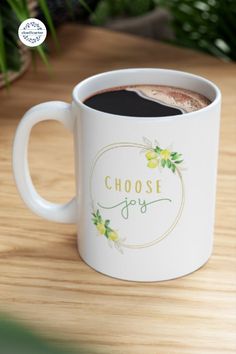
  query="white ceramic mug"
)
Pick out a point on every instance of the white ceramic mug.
point(134, 222)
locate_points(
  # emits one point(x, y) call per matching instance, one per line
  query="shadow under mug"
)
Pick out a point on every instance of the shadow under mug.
point(134, 222)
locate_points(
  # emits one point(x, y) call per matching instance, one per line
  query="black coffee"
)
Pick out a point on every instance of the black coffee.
point(147, 101)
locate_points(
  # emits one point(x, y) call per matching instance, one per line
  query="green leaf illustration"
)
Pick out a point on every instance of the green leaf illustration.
point(157, 150)
point(103, 227)
point(94, 221)
point(175, 157)
point(179, 161)
point(163, 163)
point(166, 158)
point(107, 222)
point(106, 233)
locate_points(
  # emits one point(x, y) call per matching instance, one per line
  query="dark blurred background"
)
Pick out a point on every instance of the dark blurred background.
point(208, 26)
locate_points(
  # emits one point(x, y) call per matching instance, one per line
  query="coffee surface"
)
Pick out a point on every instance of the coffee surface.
point(147, 101)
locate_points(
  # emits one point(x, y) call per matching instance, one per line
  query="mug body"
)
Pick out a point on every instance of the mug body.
point(145, 186)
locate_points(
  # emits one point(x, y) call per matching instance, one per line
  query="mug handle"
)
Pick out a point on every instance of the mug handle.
point(55, 110)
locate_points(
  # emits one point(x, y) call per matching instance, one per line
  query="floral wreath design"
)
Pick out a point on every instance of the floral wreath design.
point(103, 228)
point(161, 158)
point(156, 157)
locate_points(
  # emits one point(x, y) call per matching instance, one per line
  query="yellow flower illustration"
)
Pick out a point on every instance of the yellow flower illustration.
point(151, 154)
point(161, 158)
point(112, 235)
point(153, 163)
point(101, 228)
point(104, 229)
point(165, 154)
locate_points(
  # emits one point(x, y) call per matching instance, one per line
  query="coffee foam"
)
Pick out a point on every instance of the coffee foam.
point(185, 100)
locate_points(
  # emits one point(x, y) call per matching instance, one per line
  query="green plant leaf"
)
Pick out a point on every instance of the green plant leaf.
point(44, 7)
point(168, 162)
point(3, 64)
point(200, 25)
point(25, 7)
point(173, 168)
point(85, 6)
point(15, 338)
point(43, 56)
point(19, 10)
point(14, 59)
point(138, 7)
point(102, 12)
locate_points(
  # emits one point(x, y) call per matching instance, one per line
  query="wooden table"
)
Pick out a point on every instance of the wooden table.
point(42, 278)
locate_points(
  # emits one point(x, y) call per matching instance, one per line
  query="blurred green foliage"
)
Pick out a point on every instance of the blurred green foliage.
point(17, 339)
point(112, 8)
point(207, 25)
point(12, 13)
point(9, 52)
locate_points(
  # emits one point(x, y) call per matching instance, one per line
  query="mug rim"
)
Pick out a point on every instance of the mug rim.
point(80, 103)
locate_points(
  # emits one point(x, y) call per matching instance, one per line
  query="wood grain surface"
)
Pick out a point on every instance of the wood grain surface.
point(43, 281)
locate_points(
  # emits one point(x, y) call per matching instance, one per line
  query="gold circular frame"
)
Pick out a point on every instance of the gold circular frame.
point(140, 146)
